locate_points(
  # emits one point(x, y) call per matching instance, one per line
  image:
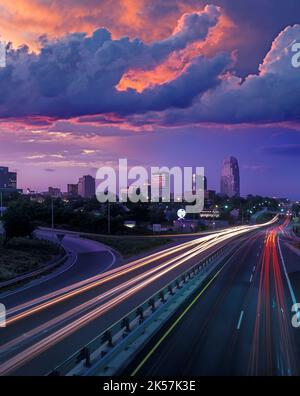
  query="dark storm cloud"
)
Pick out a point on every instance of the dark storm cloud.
point(272, 95)
point(77, 75)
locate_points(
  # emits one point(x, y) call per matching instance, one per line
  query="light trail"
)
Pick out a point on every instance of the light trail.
point(59, 320)
point(46, 301)
point(42, 345)
point(90, 303)
point(266, 342)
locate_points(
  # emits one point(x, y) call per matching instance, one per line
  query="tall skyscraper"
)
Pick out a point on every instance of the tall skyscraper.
point(230, 177)
point(87, 186)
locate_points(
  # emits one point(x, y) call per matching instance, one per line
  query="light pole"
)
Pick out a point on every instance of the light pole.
point(52, 218)
point(108, 217)
point(1, 203)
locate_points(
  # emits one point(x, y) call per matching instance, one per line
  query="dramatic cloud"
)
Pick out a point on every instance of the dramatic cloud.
point(178, 80)
point(77, 75)
point(273, 95)
point(56, 18)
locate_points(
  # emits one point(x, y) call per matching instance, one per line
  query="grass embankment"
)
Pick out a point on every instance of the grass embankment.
point(22, 255)
point(128, 247)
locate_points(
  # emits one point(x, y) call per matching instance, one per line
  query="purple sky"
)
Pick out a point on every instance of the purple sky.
point(196, 85)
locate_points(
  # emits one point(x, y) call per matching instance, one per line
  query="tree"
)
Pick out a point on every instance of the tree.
point(17, 224)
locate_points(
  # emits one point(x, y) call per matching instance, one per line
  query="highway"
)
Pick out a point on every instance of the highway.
point(241, 324)
point(46, 329)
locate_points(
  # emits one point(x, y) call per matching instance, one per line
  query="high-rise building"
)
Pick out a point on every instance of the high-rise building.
point(230, 177)
point(160, 186)
point(87, 186)
point(8, 180)
point(72, 190)
point(54, 192)
point(202, 181)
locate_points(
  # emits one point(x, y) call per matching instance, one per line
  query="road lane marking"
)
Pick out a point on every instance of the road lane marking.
point(251, 277)
point(240, 320)
point(287, 276)
point(254, 268)
point(175, 323)
point(171, 328)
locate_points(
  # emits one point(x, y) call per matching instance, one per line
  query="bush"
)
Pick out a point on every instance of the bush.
point(17, 224)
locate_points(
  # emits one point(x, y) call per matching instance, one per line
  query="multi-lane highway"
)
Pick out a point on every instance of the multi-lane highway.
point(48, 327)
point(242, 323)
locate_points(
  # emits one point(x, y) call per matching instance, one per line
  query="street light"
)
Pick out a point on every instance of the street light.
point(1, 203)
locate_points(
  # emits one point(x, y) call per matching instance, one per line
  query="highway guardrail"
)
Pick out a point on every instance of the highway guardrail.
point(104, 345)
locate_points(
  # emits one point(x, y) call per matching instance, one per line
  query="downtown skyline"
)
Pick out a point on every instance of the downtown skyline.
point(51, 133)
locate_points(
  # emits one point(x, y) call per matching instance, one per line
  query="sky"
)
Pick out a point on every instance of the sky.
point(159, 82)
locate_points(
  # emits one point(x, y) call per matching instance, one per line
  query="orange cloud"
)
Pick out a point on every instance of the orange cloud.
point(218, 38)
point(24, 21)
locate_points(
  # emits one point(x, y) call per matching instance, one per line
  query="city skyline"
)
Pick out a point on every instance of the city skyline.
point(86, 185)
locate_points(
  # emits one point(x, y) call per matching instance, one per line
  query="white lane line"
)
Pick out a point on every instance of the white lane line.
point(44, 278)
point(287, 278)
point(254, 268)
point(257, 254)
point(240, 320)
point(251, 277)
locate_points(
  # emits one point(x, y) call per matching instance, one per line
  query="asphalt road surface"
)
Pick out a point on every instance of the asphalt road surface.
point(47, 326)
point(241, 324)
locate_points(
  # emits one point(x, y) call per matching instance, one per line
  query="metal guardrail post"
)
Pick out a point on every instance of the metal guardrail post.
point(170, 290)
point(140, 313)
point(125, 324)
point(107, 337)
point(87, 358)
point(84, 354)
point(151, 304)
point(162, 297)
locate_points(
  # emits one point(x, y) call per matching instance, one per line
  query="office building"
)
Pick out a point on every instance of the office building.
point(87, 186)
point(160, 186)
point(54, 192)
point(230, 177)
point(72, 190)
point(8, 180)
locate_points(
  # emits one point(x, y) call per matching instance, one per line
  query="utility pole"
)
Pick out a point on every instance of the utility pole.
point(52, 218)
point(1, 203)
point(108, 217)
